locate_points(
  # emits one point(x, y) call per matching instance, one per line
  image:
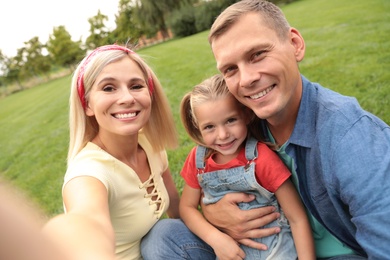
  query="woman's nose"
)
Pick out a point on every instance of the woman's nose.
point(126, 97)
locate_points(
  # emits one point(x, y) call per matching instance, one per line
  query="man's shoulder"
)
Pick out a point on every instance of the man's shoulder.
point(329, 102)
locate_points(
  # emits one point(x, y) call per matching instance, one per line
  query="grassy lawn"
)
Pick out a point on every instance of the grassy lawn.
point(348, 50)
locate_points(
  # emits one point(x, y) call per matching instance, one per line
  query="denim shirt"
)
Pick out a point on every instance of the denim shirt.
point(342, 158)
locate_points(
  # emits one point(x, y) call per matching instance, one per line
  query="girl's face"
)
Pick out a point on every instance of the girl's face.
point(120, 99)
point(223, 125)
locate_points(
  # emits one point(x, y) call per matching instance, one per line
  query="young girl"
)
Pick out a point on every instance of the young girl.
point(227, 159)
point(118, 184)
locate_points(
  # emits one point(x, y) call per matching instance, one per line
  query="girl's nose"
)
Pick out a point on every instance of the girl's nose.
point(223, 133)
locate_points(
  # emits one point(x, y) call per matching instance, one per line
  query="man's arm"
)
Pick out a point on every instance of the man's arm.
point(361, 172)
point(242, 225)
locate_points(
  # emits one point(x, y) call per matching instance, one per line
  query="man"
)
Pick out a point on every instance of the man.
point(337, 152)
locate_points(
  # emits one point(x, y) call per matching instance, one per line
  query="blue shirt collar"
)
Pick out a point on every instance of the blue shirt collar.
point(304, 129)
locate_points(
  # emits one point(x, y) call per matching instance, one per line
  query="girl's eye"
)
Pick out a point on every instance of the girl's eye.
point(208, 127)
point(231, 120)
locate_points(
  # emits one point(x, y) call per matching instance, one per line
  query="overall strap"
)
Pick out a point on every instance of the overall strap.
point(250, 153)
point(199, 157)
point(251, 148)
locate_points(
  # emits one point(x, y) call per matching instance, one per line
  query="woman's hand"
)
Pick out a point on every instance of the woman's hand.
point(242, 225)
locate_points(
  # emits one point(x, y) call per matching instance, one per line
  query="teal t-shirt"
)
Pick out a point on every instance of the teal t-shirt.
point(326, 244)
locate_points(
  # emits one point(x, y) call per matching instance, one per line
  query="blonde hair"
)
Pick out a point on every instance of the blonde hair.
point(160, 128)
point(272, 16)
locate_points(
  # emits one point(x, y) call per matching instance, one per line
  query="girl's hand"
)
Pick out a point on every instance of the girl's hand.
point(226, 248)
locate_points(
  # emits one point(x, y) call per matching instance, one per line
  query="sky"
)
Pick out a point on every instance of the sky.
point(21, 20)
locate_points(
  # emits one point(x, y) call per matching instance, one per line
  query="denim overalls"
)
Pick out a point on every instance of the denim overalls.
point(242, 179)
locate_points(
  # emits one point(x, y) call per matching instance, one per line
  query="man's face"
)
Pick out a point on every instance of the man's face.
point(260, 69)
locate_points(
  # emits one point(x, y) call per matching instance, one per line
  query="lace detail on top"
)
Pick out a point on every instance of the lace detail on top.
point(153, 193)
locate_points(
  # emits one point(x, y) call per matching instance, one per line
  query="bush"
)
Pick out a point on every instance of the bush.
point(207, 12)
point(205, 15)
point(182, 22)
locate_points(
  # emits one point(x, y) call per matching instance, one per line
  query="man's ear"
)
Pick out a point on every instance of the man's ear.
point(298, 43)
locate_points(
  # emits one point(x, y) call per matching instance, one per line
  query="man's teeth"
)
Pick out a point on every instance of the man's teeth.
point(262, 93)
point(128, 115)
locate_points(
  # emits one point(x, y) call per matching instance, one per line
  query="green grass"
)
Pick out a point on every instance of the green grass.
point(348, 50)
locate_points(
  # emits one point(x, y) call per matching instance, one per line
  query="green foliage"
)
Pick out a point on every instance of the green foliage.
point(347, 50)
point(63, 51)
point(127, 28)
point(205, 14)
point(182, 21)
point(98, 31)
point(33, 62)
point(151, 14)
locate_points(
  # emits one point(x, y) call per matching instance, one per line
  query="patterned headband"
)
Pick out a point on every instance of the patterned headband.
point(80, 78)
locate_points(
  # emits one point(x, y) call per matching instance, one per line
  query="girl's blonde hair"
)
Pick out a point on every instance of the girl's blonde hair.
point(160, 128)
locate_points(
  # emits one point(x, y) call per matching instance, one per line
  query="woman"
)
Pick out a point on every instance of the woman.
point(118, 184)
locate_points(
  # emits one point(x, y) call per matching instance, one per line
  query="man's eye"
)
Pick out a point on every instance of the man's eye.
point(229, 71)
point(258, 55)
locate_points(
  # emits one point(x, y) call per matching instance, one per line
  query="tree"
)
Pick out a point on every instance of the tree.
point(35, 62)
point(14, 66)
point(128, 29)
point(152, 14)
point(3, 68)
point(98, 31)
point(3, 63)
point(63, 51)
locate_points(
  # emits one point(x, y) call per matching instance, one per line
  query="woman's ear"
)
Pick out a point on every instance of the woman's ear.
point(89, 111)
point(298, 43)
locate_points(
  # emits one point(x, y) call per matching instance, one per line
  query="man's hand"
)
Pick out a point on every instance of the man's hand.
point(242, 225)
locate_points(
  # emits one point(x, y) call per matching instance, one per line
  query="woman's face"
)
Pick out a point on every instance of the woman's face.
point(120, 99)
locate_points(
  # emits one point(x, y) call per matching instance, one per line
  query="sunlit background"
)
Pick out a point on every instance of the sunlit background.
point(24, 19)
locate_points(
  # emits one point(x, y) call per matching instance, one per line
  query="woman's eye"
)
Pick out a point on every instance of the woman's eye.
point(138, 86)
point(108, 88)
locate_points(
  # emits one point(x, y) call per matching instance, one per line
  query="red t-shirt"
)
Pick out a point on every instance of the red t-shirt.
point(271, 172)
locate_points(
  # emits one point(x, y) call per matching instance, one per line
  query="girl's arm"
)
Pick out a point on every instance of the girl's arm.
point(174, 199)
point(85, 231)
point(294, 210)
point(224, 246)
